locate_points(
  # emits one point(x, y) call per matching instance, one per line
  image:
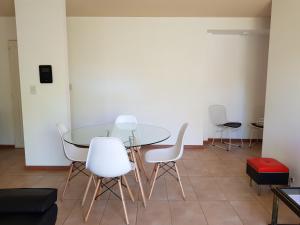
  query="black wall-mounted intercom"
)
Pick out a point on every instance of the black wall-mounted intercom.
point(45, 74)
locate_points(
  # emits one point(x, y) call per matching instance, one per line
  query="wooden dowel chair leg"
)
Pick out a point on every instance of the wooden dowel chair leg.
point(67, 181)
point(93, 200)
point(179, 180)
point(142, 166)
point(135, 176)
point(152, 174)
point(154, 179)
point(138, 177)
point(128, 188)
point(123, 201)
point(87, 188)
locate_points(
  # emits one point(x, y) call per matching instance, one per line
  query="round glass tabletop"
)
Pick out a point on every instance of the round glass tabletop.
point(132, 135)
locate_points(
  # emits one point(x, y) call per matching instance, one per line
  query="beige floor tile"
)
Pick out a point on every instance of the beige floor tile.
point(191, 154)
point(76, 188)
point(187, 212)
point(159, 190)
point(18, 181)
point(133, 186)
point(251, 212)
point(196, 168)
point(227, 155)
point(201, 154)
point(156, 213)
point(49, 181)
point(114, 213)
point(220, 213)
point(64, 209)
point(206, 188)
point(234, 188)
point(76, 217)
point(174, 191)
point(181, 168)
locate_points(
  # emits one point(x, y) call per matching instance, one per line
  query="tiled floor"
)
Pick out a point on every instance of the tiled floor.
point(216, 186)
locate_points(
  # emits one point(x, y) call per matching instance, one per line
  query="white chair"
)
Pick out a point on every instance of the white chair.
point(218, 117)
point(165, 159)
point(126, 119)
point(108, 159)
point(130, 119)
point(256, 128)
point(76, 155)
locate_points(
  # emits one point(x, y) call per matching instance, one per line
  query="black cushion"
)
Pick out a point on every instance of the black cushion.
point(232, 124)
point(46, 218)
point(27, 200)
point(257, 125)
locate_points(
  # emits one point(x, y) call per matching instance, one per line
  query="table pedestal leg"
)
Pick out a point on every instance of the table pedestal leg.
point(138, 176)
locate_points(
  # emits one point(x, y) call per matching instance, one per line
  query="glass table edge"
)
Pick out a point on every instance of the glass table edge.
point(107, 124)
point(132, 146)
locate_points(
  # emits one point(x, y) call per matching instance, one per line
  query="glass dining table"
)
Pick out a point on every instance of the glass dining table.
point(132, 135)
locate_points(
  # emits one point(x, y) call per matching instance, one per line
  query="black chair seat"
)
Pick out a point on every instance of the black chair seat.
point(232, 124)
point(46, 218)
point(257, 125)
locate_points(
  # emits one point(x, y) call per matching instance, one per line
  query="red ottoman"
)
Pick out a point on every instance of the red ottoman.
point(267, 171)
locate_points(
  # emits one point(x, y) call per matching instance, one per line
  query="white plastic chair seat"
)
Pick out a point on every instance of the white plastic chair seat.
point(161, 155)
point(131, 169)
point(79, 154)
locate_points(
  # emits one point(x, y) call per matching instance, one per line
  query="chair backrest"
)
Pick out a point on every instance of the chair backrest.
point(126, 119)
point(107, 157)
point(62, 129)
point(179, 147)
point(217, 114)
point(71, 152)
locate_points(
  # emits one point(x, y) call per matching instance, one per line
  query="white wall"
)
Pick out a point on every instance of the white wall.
point(156, 68)
point(281, 133)
point(42, 39)
point(7, 32)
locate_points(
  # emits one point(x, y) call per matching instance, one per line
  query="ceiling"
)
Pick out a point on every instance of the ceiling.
point(160, 8)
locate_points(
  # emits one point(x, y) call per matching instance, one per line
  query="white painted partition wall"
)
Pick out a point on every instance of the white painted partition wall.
point(166, 71)
point(282, 111)
point(42, 39)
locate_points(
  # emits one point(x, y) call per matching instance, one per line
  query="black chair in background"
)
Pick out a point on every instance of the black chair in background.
point(257, 128)
point(218, 117)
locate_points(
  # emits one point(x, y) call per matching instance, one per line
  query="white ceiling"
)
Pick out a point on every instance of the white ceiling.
point(160, 8)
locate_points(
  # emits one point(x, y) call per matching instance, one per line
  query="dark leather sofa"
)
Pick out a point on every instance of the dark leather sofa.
point(28, 206)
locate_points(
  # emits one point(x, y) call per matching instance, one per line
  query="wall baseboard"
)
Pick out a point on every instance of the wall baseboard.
point(53, 168)
point(186, 147)
point(7, 146)
point(209, 140)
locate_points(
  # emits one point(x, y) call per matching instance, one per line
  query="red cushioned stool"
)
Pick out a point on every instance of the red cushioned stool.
point(267, 171)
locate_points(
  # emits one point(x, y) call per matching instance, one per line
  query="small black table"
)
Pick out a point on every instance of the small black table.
point(290, 196)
